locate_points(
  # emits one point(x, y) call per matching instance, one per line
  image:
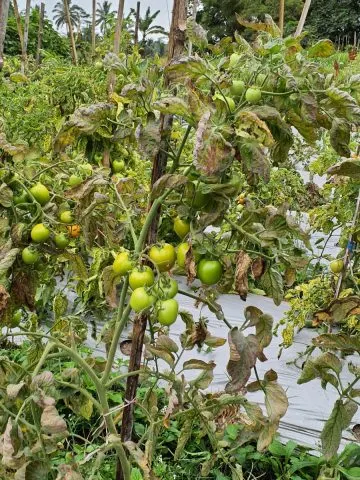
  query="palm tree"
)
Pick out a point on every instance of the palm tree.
point(105, 16)
point(77, 15)
point(145, 25)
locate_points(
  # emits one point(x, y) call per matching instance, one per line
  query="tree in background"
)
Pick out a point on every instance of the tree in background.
point(219, 17)
point(105, 16)
point(333, 18)
point(53, 42)
point(77, 15)
point(146, 28)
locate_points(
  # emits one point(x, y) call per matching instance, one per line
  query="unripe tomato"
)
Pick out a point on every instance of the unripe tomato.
point(166, 288)
point(337, 266)
point(141, 277)
point(74, 230)
point(209, 271)
point(40, 193)
point(163, 256)
point(86, 168)
point(253, 95)
point(29, 256)
point(167, 311)
point(122, 264)
point(141, 300)
point(231, 104)
point(181, 254)
point(66, 216)
point(237, 88)
point(240, 207)
point(22, 197)
point(118, 166)
point(61, 240)
point(74, 180)
point(181, 227)
point(98, 65)
point(234, 60)
point(40, 233)
point(16, 318)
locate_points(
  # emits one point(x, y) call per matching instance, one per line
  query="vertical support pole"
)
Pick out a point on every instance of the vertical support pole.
point(303, 18)
point(40, 34)
point(93, 33)
point(71, 32)
point(281, 16)
point(4, 11)
point(117, 37)
point(176, 47)
point(137, 22)
point(26, 36)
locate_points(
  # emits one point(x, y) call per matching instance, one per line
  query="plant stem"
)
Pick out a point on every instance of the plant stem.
point(251, 237)
point(43, 358)
point(181, 148)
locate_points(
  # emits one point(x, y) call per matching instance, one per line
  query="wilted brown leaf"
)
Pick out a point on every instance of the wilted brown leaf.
point(67, 472)
point(190, 266)
point(51, 422)
point(258, 267)
point(172, 406)
point(4, 298)
point(290, 277)
point(243, 262)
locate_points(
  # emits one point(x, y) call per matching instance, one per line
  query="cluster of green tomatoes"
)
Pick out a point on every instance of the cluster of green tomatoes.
point(158, 291)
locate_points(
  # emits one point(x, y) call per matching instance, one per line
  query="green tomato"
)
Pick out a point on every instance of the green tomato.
point(181, 254)
point(209, 271)
point(167, 311)
point(39, 233)
point(61, 240)
point(253, 95)
point(118, 166)
point(66, 216)
point(141, 277)
point(22, 197)
point(181, 227)
point(74, 180)
point(140, 300)
point(122, 264)
point(237, 88)
point(163, 256)
point(29, 256)
point(240, 207)
point(16, 318)
point(337, 266)
point(166, 288)
point(234, 60)
point(231, 104)
point(86, 168)
point(98, 65)
point(40, 193)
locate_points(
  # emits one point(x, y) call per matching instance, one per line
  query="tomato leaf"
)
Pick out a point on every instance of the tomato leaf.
point(272, 283)
point(340, 137)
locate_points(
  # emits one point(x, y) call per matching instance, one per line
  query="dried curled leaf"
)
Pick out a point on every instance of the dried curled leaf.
point(243, 262)
point(51, 422)
point(258, 267)
point(190, 266)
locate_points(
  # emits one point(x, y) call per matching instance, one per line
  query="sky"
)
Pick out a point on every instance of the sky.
point(163, 5)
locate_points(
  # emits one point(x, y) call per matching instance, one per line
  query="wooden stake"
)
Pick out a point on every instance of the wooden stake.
point(4, 11)
point(176, 47)
point(303, 18)
point(19, 25)
point(40, 34)
point(26, 35)
point(93, 32)
point(117, 37)
point(137, 21)
point(71, 32)
point(281, 16)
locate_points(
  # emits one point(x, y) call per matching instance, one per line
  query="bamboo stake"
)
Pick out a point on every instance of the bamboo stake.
point(137, 22)
point(117, 37)
point(93, 33)
point(194, 12)
point(18, 25)
point(281, 16)
point(40, 34)
point(26, 35)
point(176, 47)
point(71, 32)
point(4, 11)
point(303, 18)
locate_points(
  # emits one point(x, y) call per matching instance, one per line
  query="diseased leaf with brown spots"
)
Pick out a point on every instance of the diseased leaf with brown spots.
point(243, 354)
point(243, 263)
point(4, 298)
point(290, 277)
point(23, 290)
point(190, 266)
point(172, 406)
point(51, 422)
point(258, 267)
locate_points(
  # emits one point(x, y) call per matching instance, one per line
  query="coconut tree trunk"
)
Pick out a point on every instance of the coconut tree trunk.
point(40, 34)
point(117, 37)
point(281, 16)
point(4, 11)
point(303, 18)
point(26, 35)
point(71, 32)
point(19, 25)
point(93, 33)
point(137, 21)
point(177, 44)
